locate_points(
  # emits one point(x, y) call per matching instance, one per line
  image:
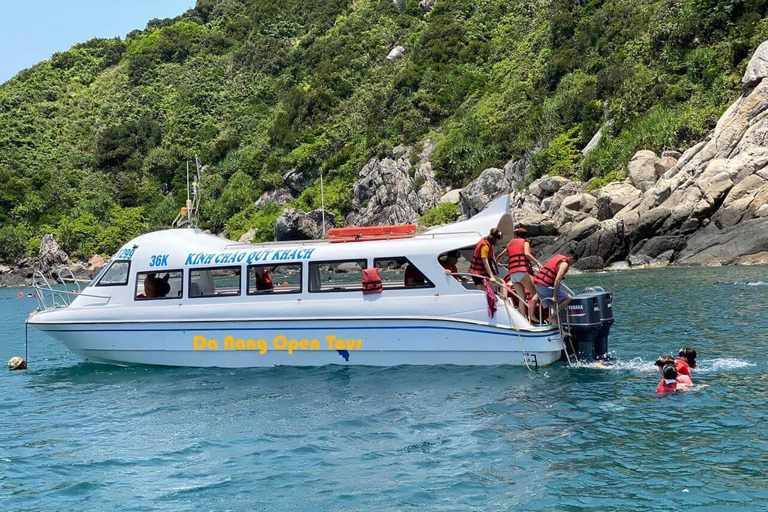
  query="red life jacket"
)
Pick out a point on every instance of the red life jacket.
point(447, 266)
point(476, 265)
point(263, 282)
point(682, 367)
point(684, 379)
point(518, 261)
point(664, 388)
point(371, 281)
point(547, 274)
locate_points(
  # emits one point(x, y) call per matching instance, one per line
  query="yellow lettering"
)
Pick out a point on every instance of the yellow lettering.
point(359, 342)
point(251, 344)
point(280, 342)
point(314, 345)
point(213, 344)
point(304, 344)
point(262, 346)
point(229, 343)
point(199, 342)
point(339, 344)
point(330, 341)
point(292, 345)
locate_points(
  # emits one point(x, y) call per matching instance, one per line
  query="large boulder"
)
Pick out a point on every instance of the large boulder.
point(644, 169)
point(452, 196)
point(96, 262)
point(51, 256)
point(537, 225)
point(384, 194)
point(279, 196)
point(295, 224)
point(516, 169)
point(482, 191)
point(612, 198)
point(757, 69)
point(295, 180)
point(547, 185)
point(746, 242)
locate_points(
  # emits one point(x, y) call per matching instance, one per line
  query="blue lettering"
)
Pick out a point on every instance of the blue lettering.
point(217, 259)
point(207, 260)
point(240, 257)
point(189, 261)
point(309, 253)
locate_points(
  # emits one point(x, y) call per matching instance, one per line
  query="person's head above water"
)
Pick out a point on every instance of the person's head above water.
point(662, 361)
point(689, 355)
point(669, 372)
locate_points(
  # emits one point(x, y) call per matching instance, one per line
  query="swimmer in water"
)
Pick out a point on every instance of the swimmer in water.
point(671, 380)
point(685, 361)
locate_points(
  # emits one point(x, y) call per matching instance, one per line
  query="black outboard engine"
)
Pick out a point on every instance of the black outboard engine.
point(582, 320)
point(605, 300)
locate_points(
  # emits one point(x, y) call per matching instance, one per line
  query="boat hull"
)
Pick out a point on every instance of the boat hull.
point(261, 343)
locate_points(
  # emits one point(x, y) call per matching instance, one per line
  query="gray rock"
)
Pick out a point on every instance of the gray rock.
point(515, 170)
point(396, 54)
point(452, 196)
point(671, 154)
point(51, 256)
point(383, 194)
point(248, 236)
point(537, 225)
point(644, 169)
point(279, 196)
point(547, 185)
point(295, 224)
point(295, 180)
point(583, 229)
point(426, 5)
point(612, 198)
point(746, 242)
point(757, 69)
point(482, 191)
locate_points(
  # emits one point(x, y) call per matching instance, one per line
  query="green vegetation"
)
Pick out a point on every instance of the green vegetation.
point(444, 213)
point(94, 141)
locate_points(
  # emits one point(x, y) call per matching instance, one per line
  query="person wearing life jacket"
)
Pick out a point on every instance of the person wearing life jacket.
point(682, 380)
point(668, 382)
point(547, 281)
point(449, 264)
point(263, 281)
point(413, 277)
point(685, 361)
point(480, 266)
point(520, 267)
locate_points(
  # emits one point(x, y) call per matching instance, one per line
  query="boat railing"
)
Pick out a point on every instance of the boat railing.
point(50, 297)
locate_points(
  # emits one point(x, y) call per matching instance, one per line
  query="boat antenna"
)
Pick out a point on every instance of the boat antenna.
point(189, 202)
point(322, 201)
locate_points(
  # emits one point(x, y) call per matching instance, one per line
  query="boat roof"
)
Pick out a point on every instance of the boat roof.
point(180, 243)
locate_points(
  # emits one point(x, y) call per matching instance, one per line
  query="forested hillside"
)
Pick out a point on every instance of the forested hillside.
point(94, 141)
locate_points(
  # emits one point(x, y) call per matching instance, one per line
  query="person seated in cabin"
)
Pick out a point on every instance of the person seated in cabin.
point(263, 281)
point(413, 277)
point(481, 266)
point(449, 264)
point(154, 287)
point(685, 361)
point(548, 280)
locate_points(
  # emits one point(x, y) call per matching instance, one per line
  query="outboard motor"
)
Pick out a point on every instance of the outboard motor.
point(582, 319)
point(605, 300)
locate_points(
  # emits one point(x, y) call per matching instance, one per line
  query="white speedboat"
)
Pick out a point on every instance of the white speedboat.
point(181, 297)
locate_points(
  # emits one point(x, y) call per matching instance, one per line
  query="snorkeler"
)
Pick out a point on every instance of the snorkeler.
point(668, 382)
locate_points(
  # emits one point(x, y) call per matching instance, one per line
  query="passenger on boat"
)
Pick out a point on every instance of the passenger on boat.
point(520, 267)
point(155, 287)
point(480, 265)
point(548, 280)
point(413, 277)
point(685, 361)
point(449, 264)
point(263, 281)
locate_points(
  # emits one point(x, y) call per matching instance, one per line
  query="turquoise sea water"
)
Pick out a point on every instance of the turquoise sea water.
point(76, 436)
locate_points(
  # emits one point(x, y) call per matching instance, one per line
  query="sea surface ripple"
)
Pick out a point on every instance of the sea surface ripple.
point(77, 436)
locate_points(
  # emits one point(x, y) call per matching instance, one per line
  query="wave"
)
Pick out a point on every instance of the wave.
point(744, 283)
point(640, 365)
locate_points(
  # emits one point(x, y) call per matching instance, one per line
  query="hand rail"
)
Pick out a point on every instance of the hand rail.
point(49, 297)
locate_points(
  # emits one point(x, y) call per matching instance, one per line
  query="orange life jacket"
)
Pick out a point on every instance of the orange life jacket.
point(371, 281)
point(547, 274)
point(664, 387)
point(682, 367)
point(476, 265)
point(518, 261)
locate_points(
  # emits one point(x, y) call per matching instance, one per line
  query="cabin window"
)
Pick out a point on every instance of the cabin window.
point(116, 274)
point(457, 260)
point(167, 284)
point(336, 276)
point(274, 279)
point(397, 273)
point(214, 282)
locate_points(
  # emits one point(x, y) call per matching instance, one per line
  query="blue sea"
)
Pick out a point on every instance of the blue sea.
point(77, 436)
